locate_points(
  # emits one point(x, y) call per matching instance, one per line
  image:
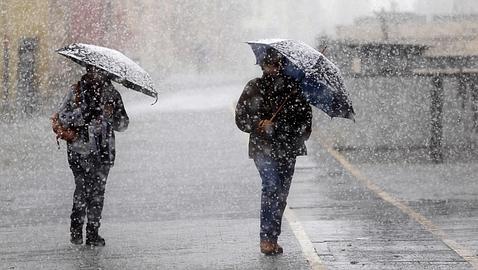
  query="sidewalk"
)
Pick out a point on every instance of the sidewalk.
point(351, 227)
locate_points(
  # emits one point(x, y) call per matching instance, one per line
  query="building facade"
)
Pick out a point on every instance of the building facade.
point(33, 75)
point(413, 80)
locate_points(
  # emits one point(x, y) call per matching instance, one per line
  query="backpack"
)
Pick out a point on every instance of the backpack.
point(65, 133)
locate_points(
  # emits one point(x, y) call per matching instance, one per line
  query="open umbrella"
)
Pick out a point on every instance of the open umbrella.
point(122, 69)
point(320, 80)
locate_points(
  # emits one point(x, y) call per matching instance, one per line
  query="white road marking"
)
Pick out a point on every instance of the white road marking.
point(306, 245)
point(467, 254)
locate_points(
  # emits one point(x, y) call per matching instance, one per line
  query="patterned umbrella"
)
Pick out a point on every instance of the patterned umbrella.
point(320, 80)
point(122, 69)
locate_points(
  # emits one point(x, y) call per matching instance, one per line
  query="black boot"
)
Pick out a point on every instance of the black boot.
point(76, 234)
point(93, 238)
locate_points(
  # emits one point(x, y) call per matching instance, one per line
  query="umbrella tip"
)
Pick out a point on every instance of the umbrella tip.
point(156, 100)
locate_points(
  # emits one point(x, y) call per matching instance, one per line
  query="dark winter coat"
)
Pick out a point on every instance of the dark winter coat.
point(259, 100)
point(95, 143)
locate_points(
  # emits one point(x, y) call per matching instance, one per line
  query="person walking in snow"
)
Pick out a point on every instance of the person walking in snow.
point(279, 120)
point(91, 112)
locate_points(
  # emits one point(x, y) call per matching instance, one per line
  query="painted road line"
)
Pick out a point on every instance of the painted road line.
point(466, 253)
point(306, 245)
point(304, 241)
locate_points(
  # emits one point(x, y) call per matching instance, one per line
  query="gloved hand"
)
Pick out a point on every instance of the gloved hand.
point(266, 127)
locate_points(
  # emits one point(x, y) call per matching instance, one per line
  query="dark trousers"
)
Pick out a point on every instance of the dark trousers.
point(88, 197)
point(276, 175)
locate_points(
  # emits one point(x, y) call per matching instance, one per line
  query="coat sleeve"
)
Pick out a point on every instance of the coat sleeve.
point(302, 118)
point(69, 114)
point(305, 128)
point(120, 119)
point(248, 113)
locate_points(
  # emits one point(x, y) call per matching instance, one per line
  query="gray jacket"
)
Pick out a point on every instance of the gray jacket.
point(95, 143)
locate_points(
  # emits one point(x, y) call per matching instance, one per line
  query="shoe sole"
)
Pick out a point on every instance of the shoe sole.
point(95, 244)
point(272, 253)
point(77, 241)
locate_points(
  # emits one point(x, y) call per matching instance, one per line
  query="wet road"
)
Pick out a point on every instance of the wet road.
point(184, 195)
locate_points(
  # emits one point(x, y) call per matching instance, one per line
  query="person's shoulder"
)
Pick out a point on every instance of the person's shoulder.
point(74, 87)
point(254, 83)
point(72, 90)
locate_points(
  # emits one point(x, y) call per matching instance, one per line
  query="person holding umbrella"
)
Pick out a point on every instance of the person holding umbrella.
point(278, 118)
point(275, 110)
point(93, 108)
point(90, 113)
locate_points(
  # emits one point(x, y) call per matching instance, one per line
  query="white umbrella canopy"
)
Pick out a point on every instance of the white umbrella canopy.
point(122, 69)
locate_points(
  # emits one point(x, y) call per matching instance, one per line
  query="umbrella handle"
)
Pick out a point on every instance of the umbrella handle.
point(280, 108)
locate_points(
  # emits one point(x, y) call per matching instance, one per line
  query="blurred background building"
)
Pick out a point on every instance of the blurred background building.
point(31, 31)
point(414, 78)
point(410, 65)
point(165, 37)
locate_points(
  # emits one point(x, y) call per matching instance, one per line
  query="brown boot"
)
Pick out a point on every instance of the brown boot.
point(279, 249)
point(270, 247)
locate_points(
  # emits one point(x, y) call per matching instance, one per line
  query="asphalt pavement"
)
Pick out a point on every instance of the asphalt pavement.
point(184, 195)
